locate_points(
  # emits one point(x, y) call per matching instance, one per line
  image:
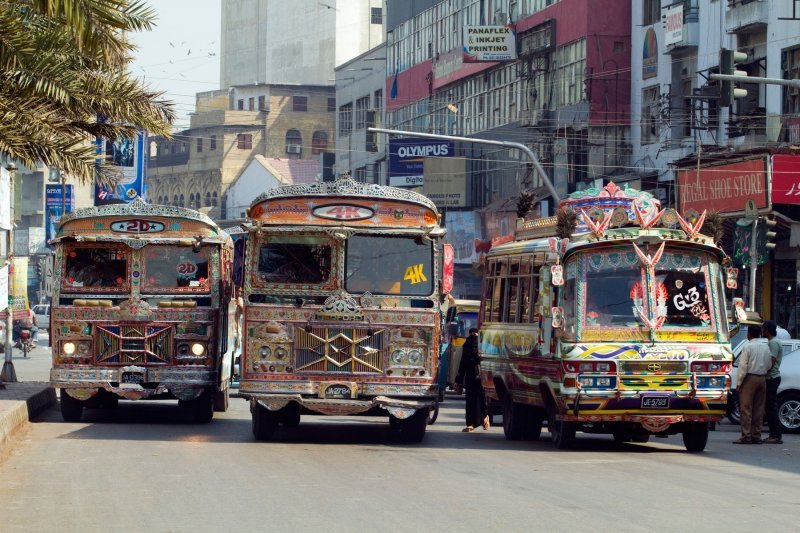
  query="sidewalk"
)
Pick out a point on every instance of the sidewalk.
point(32, 394)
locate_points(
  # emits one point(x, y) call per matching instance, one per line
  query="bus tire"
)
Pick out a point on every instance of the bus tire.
point(515, 419)
point(264, 422)
point(222, 400)
point(433, 414)
point(561, 433)
point(695, 436)
point(289, 416)
point(71, 409)
point(412, 429)
point(201, 409)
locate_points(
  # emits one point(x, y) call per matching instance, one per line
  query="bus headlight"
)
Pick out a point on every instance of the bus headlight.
point(281, 353)
point(397, 357)
point(414, 357)
point(198, 349)
point(265, 352)
point(69, 348)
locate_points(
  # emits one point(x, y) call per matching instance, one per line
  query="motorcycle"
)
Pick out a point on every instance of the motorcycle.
point(25, 342)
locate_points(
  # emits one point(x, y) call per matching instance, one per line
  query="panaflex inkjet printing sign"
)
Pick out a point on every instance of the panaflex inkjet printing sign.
point(406, 158)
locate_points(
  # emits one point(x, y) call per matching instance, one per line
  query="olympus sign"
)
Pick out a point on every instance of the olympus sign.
point(424, 151)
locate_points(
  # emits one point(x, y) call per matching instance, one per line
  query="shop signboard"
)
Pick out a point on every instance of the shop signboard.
point(406, 157)
point(785, 179)
point(724, 188)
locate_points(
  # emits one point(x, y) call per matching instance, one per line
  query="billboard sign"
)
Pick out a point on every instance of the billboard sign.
point(406, 158)
point(489, 43)
point(724, 188)
point(130, 162)
point(673, 24)
point(56, 205)
point(785, 179)
point(446, 181)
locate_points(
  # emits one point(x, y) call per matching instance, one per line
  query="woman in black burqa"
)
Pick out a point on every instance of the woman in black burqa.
point(469, 377)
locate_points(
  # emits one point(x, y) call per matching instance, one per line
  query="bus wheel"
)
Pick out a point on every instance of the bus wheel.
point(515, 419)
point(201, 409)
point(412, 429)
point(221, 400)
point(108, 400)
point(71, 409)
point(695, 436)
point(561, 433)
point(264, 422)
point(433, 414)
point(289, 416)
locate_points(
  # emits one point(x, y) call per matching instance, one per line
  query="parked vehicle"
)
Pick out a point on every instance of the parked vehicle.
point(788, 392)
point(42, 312)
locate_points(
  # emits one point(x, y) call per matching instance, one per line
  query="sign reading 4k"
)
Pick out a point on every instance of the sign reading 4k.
point(414, 274)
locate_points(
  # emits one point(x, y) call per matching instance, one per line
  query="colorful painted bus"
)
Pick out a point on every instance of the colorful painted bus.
point(141, 308)
point(342, 300)
point(607, 318)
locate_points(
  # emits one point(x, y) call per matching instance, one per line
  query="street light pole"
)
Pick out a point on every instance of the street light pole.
point(9, 374)
point(507, 144)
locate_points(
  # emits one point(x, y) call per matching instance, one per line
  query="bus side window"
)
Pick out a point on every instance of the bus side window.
point(488, 291)
point(527, 290)
point(500, 298)
point(512, 302)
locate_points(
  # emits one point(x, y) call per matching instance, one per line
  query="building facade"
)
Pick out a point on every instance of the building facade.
point(695, 153)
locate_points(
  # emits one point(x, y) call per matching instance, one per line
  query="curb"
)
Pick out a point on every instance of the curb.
point(19, 413)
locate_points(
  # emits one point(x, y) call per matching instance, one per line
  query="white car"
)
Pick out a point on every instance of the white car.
point(788, 391)
point(42, 312)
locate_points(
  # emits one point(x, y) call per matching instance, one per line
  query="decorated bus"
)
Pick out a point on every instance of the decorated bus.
point(140, 309)
point(609, 317)
point(342, 300)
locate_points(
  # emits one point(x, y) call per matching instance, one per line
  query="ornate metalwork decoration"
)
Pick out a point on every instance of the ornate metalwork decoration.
point(368, 300)
point(136, 207)
point(346, 186)
point(340, 349)
point(135, 310)
point(134, 343)
point(340, 306)
point(135, 244)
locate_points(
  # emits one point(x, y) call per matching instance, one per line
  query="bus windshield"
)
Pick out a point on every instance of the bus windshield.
point(389, 265)
point(175, 269)
point(683, 286)
point(295, 259)
point(93, 269)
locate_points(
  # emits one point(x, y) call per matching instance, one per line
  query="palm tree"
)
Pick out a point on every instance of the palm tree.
point(64, 82)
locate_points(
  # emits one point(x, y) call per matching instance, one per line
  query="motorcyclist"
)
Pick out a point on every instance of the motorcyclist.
point(29, 323)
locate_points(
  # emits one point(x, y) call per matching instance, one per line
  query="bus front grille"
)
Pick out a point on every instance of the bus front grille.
point(134, 344)
point(340, 349)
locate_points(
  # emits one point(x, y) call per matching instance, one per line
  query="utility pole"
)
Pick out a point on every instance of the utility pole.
point(507, 144)
point(9, 374)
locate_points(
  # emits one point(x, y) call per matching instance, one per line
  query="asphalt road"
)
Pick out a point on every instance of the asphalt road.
point(142, 468)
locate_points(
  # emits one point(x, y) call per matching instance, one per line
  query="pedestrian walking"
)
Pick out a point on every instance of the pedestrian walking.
point(773, 381)
point(754, 363)
point(469, 377)
point(780, 333)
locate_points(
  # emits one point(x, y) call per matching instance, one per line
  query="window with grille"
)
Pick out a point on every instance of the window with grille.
point(299, 103)
point(362, 106)
point(375, 15)
point(244, 141)
point(650, 115)
point(346, 119)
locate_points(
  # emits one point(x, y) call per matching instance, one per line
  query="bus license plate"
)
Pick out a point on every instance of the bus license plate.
point(132, 378)
point(338, 391)
point(655, 402)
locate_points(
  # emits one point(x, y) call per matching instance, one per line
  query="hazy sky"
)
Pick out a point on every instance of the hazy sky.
point(180, 56)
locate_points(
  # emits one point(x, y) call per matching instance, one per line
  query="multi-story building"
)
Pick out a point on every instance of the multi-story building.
point(196, 167)
point(701, 154)
point(277, 96)
point(563, 90)
point(360, 104)
point(297, 42)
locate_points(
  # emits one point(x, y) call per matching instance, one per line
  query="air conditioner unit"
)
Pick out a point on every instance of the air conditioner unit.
point(293, 149)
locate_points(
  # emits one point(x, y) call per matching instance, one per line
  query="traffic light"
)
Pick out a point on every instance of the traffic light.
point(727, 65)
point(766, 235)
